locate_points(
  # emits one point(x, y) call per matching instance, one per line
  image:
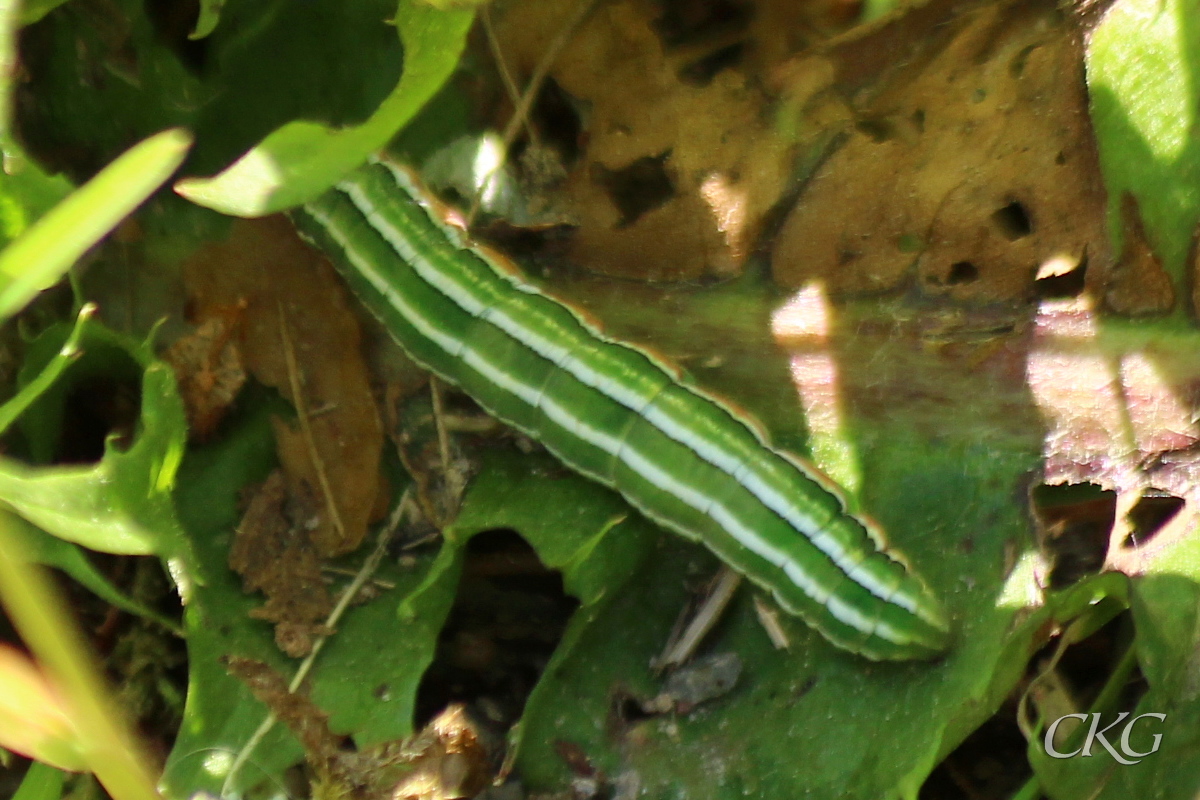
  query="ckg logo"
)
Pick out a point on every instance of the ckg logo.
point(1125, 754)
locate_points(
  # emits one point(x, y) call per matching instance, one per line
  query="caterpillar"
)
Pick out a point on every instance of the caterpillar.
point(620, 415)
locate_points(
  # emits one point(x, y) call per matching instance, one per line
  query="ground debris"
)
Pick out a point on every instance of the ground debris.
point(274, 554)
point(673, 168)
point(963, 168)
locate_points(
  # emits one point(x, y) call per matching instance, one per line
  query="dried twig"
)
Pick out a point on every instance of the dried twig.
point(305, 419)
point(364, 574)
point(680, 650)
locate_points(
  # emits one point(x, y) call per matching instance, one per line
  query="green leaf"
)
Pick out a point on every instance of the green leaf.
point(1144, 111)
point(220, 713)
point(303, 159)
point(367, 675)
point(34, 10)
point(89, 352)
point(26, 192)
point(43, 253)
point(40, 616)
point(123, 503)
point(1166, 613)
point(33, 388)
point(575, 526)
point(51, 551)
point(210, 15)
point(774, 734)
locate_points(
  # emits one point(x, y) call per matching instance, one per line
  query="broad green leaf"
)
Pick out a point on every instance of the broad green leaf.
point(267, 63)
point(44, 252)
point(771, 736)
point(123, 503)
point(46, 549)
point(572, 524)
point(302, 159)
point(1166, 613)
point(220, 713)
point(1143, 62)
point(367, 675)
point(575, 526)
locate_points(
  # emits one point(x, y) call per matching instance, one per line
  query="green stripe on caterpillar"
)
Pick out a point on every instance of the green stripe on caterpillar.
point(617, 414)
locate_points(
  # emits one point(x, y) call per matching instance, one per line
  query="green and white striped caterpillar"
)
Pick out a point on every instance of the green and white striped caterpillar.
point(619, 415)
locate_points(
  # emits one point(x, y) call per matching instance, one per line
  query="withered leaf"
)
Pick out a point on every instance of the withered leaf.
point(265, 267)
point(965, 168)
point(208, 367)
point(448, 761)
point(678, 162)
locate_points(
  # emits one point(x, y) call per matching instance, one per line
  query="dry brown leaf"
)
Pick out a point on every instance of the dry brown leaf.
point(208, 367)
point(273, 553)
point(967, 166)
point(679, 162)
point(264, 266)
point(450, 761)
